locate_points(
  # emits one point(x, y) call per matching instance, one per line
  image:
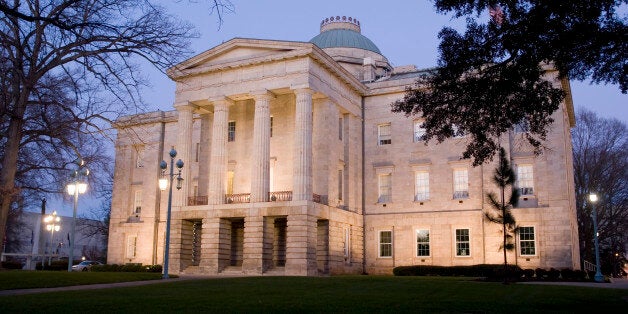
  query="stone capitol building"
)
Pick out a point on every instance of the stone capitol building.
point(295, 165)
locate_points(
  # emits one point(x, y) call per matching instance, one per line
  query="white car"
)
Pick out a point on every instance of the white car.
point(85, 265)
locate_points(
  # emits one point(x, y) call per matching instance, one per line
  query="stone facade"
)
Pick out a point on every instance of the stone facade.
point(295, 165)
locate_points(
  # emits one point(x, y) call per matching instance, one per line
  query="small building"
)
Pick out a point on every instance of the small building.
point(295, 165)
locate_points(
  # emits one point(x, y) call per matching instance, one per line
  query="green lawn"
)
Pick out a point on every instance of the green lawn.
point(359, 294)
point(20, 279)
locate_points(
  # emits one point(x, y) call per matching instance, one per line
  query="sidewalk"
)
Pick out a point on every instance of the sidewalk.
point(616, 283)
point(88, 287)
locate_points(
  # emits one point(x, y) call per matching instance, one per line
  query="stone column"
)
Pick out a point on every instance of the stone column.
point(301, 246)
point(302, 163)
point(210, 246)
point(260, 165)
point(218, 156)
point(252, 261)
point(203, 158)
point(184, 148)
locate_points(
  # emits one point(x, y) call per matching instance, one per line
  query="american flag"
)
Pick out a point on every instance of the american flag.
point(496, 13)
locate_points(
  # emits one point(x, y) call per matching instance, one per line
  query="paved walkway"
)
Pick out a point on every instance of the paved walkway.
point(614, 284)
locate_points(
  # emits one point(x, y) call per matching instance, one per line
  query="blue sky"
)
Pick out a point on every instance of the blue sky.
point(405, 31)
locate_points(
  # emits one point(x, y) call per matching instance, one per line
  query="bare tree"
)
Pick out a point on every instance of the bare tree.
point(600, 151)
point(72, 60)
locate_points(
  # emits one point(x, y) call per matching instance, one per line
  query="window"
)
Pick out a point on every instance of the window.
point(457, 133)
point(522, 127)
point(423, 242)
point(340, 184)
point(421, 186)
point(340, 129)
point(232, 130)
point(525, 179)
point(419, 131)
point(347, 245)
point(385, 188)
point(526, 241)
point(230, 176)
point(139, 157)
point(198, 151)
point(383, 134)
point(463, 247)
point(271, 126)
point(385, 243)
point(461, 183)
point(137, 202)
point(131, 246)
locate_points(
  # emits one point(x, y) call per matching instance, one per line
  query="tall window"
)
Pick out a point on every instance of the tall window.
point(340, 129)
point(385, 243)
point(383, 134)
point(457, 132)
point(423, 242)
point(139, 157)
point(230, 176)
point(137, 202)
point(522, 127)
point(419, 131)
point(421, 186)
point(271, 126)
point(232, 131)
point(340, 184)
point(347, 245)
point(198, 152)
point(525, 179)
point(131, 246)
point(461, 183)
point(526, 241)
point(385, 188)
point(463, 247)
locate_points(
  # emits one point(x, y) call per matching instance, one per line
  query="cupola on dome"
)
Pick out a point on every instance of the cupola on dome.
point(342, 32)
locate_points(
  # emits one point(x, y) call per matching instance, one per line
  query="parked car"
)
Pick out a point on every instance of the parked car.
point(85, 265)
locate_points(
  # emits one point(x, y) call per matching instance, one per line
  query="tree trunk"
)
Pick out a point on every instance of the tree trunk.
point(9, 165)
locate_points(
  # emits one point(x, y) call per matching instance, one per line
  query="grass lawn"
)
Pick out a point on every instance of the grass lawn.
point(359, 294)
point(23, 279)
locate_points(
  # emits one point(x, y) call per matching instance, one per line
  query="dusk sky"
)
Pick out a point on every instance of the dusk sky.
point(405, 31)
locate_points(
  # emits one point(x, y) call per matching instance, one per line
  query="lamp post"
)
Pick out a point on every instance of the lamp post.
point(76, 187)
point(52, 225)
point(598, 272)
point(163, 183)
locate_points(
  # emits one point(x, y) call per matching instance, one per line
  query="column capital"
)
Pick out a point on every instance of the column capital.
point(221, 100)
point(262, 94)
point(185, 106)
point(302, 89)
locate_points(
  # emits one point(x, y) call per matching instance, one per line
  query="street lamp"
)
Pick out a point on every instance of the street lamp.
point(163, 183)
point(52, 225)
point(598, 272)
point(76, 187)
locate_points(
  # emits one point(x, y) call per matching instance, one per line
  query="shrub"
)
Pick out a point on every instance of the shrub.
point(553, 274)
point(580, 275)
point(541, 274)
point(131, 267)
point(568, 274)
point(490, 271)
point(528, 274)
point(12, 265)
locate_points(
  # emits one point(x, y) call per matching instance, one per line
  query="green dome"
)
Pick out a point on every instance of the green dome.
point(335, 38)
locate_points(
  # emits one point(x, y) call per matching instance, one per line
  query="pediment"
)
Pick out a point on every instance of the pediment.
point(239, 52)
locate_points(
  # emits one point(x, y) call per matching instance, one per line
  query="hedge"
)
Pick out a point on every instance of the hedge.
point(494, 272)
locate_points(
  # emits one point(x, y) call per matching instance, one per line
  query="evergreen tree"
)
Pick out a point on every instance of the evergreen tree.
point(504, 177)
point(509, 68)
